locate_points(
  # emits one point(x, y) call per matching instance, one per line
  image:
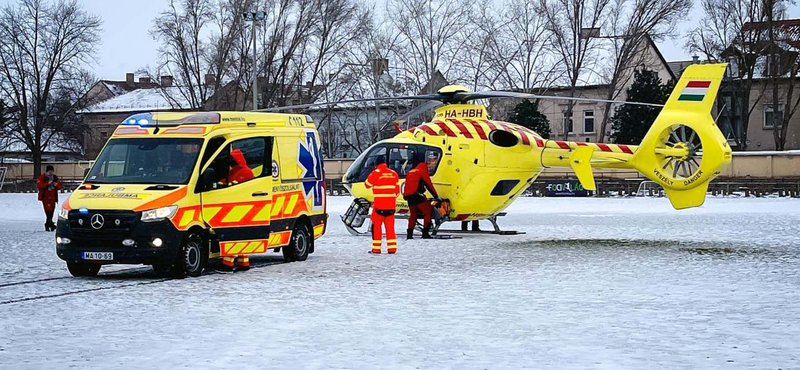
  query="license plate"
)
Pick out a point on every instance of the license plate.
point(98, 256)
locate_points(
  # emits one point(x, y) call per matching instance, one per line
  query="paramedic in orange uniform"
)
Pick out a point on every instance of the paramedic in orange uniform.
point(238, 173)
point(384, 184)
point(417, 182)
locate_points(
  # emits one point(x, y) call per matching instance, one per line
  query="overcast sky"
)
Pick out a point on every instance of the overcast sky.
point(127, 45)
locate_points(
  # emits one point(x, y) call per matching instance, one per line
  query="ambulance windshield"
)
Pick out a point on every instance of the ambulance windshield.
point(146, 161)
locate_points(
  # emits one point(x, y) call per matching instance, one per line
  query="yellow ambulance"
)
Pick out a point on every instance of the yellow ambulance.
point(173, 190)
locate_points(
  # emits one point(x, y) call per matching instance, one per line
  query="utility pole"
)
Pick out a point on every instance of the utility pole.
point(255, 17)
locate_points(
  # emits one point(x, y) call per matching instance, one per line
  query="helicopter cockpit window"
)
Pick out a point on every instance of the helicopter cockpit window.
point(402, 160)
point(399, 157)
point(371, 162)
point(432, 158)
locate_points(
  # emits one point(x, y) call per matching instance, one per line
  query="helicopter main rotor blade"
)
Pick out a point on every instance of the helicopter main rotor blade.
point(511, 94)
point(373, 100)
point(424, 107)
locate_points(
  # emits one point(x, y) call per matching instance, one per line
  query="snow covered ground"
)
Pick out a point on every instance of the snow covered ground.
point(595, 283)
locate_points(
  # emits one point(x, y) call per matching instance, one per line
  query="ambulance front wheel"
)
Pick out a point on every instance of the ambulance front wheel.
point(78, 269)
point(192, 256)
point(300, 244)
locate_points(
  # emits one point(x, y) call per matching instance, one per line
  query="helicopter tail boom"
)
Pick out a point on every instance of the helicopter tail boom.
point(683, 150)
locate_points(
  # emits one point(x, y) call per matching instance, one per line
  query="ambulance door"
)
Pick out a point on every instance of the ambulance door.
point(236, 199)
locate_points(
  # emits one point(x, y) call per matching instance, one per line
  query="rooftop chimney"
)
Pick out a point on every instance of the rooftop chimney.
point(144, 81)
point(166, 81)
point(695, 59)
point(211, 80)
point(129, 79)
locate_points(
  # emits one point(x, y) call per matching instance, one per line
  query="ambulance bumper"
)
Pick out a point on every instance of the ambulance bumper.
point(142, 251)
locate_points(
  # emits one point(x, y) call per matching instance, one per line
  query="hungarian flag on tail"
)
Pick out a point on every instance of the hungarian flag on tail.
point(695, 91)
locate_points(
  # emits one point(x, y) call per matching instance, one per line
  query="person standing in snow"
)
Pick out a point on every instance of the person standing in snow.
point(418, 181)
point(49, 184)
point(384, 184)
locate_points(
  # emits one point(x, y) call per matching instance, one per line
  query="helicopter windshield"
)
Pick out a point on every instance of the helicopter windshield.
point(399, 157)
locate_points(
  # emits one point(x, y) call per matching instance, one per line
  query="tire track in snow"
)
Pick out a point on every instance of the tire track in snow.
point(109, 287)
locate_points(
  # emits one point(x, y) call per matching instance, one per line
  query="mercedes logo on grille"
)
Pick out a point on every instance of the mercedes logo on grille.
point(98, 221)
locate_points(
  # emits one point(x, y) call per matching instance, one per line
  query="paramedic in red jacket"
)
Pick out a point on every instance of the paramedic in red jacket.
point(238, 173)
point(49, 184)
point(417, 182)
point(384, 184)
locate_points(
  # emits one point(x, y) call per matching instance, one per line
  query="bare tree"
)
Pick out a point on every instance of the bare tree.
point(430, 35)
point(184, 51)
point(722, 36)
point(523, 60)
point(568, 22)
point(631, 26)
point(44, 48)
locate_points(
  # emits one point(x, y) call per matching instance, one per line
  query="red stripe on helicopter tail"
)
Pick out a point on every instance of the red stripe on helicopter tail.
point(492, 127)
point(505, 127)
point(478, 129)
point(411, 130)
point(460, 126)
point(525, 140)
point(625, 149)
point(581, 144)
point(427, 130)
point(603, 147)
point(462, 216)
point(445, 128)
point(562, 145)
point(539, 142)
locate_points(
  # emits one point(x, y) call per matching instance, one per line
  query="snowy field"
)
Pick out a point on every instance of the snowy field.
point(595, 283)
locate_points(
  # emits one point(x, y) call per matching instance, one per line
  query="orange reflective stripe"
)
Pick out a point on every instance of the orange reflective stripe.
point(164, 201)
point(381, 187)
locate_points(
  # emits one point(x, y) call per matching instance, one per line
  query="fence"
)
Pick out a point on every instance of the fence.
point(750, 172)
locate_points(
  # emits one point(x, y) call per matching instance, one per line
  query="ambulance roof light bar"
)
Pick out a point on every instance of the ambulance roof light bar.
point(172, 119)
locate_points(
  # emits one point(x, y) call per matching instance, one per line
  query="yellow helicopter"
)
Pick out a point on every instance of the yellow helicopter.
point(480, 166)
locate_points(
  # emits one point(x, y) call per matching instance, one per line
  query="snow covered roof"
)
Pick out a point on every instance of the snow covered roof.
point(156, 99)
point(115, 87)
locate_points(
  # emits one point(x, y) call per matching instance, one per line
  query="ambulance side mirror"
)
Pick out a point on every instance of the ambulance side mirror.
point(207, 179)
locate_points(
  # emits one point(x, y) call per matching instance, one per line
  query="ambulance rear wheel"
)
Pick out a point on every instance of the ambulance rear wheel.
point(192, 257)
point(79, 269)
point(299, 245)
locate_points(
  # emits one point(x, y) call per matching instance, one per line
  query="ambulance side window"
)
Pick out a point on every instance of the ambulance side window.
point(241, 161)
point(220, 166)
point(211, 148)
point(252, 153)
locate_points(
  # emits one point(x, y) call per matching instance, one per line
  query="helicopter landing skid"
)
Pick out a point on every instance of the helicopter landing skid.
point(496, 228)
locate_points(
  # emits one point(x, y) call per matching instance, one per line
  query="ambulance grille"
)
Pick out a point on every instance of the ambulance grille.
point(117, 225)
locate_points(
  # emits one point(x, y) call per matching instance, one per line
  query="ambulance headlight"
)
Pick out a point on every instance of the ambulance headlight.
point(159, 214)
point(63, 214)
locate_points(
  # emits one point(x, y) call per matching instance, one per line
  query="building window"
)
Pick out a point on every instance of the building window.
point(588, 121)
point(769, 113)
point(568, 122)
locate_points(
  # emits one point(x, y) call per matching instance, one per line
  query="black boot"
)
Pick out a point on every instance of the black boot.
point(426, 232)
point(409, 234)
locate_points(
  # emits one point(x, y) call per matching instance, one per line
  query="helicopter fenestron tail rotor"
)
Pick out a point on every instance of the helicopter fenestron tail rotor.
point(684, 149)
